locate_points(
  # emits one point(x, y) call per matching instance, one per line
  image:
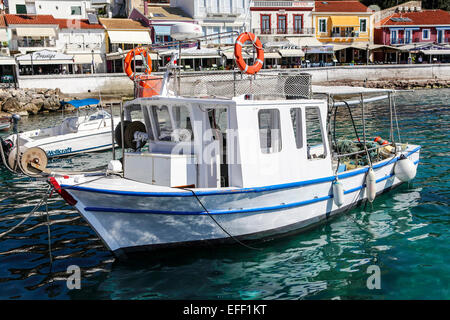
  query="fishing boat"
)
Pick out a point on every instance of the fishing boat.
point(237, 157)
point(74, 135)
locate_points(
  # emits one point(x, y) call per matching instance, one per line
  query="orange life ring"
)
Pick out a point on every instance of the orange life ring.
point(129, 58)
point(244, 37)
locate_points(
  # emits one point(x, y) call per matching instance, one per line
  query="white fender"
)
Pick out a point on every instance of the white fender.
point(405, 169)
point(371, 185)
point(338, 193)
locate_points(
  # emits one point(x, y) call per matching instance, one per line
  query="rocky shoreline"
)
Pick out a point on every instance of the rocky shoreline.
point(30, 101)
point(34, 101)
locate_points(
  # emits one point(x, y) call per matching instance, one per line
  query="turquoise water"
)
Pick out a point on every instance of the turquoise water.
point(405, 233)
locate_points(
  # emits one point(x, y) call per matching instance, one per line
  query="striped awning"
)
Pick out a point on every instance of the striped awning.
point(130, 37)
point(291, 53)
point(36, 32)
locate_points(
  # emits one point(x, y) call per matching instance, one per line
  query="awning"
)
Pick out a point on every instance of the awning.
point(83, 103)
point(117, 55)
point(162, 30)
point(7, 61)
point(272, 55)
point(36, 32)
point(230, 55)
point(345, 21)
point(3, 35)
point(291, 53)
point(87, 58)
point(45, 57)
point(322, 49)
point(435, 52)
point(134, 36)
point(337, 47)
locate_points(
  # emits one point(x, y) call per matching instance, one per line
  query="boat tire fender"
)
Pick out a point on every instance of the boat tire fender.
point(135, 126)
point(118, 132)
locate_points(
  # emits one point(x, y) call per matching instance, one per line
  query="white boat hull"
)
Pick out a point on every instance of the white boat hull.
point(132, 216)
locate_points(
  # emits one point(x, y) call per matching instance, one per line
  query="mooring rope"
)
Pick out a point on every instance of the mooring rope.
point(26, 217)
point(218, 224)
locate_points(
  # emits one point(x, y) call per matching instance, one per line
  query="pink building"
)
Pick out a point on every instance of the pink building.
point(415, 27)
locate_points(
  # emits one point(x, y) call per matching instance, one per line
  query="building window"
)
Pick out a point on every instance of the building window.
point(314, 134)
point(75, 11)
point(336, 32)
point(281, 25)
point(322, 25)
point(298, 23)
point(363, 25)
point(393, 36)
point(269, 130)
point(407, 36)
point(265, 24)
point(426, 34)
point(296, 116)
point(21, 9)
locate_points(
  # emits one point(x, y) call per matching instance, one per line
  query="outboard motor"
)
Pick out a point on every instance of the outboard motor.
point(15, 120)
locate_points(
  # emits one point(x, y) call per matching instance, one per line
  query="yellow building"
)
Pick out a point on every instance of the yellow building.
point(347, 25)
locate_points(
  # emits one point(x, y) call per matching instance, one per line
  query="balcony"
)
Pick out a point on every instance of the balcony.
point(34, 43)
point(349, 34)
point(286, 31)
point(81, 47)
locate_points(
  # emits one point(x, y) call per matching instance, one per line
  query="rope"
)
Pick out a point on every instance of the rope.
point(26, 217)
point(218, 224)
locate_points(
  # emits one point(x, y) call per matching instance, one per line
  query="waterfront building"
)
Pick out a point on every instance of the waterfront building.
point(7, 63)
point(422, 35)
point(121, 36)
point(217, 16)
point(160, 19)
point(28, 33)
point(86, 42)
point(347, 26)
point(285, 28)
point(60, 9)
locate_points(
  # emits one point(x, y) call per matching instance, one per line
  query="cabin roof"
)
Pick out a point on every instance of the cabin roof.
point(346, 90)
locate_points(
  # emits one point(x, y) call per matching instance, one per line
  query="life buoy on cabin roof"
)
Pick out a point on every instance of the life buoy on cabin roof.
point(129, 58)
point(244, 37)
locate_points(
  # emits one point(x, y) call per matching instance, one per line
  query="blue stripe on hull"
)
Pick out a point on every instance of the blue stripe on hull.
point(216, 212)
point(236, 191)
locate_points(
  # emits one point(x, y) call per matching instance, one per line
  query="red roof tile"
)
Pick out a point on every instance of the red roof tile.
point(425, 17)
point(77, 24)
point(341, 6)
point(29, 19)
point(2, 21)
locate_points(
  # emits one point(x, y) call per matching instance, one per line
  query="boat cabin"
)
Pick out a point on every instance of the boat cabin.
point(238, 142)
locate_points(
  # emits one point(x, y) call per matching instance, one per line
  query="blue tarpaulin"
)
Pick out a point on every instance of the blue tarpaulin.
point(84, 102)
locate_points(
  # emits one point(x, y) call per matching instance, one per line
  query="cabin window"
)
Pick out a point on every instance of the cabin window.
point(269, 130)
point(163, 124)
point(182, 122)
point(314, 134)
point(296, 116)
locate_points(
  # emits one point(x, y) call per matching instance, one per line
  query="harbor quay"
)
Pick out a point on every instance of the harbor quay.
point(33, 91)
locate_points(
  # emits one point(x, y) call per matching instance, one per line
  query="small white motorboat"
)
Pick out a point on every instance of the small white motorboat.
point(258, 162)
point(74, 135)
